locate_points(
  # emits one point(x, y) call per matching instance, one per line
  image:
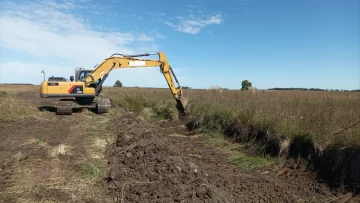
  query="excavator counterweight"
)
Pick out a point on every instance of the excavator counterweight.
point(83, 90)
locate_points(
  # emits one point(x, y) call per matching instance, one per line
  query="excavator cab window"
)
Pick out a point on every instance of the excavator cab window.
point(83, 75)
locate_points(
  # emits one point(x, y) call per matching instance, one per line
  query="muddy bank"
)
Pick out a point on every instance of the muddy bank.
point(167, 163)
point(339, 168)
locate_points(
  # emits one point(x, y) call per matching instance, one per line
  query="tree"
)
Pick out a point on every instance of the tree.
point(245, 85)
point(118, 84)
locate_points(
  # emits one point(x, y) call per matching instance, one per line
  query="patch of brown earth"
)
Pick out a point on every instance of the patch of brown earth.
point(148, 165)
point(41, 159)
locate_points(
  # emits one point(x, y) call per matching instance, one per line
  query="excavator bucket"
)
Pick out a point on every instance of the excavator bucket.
point(185, 102)
point(183, 105)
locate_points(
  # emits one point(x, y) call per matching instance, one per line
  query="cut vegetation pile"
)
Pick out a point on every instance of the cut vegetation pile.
point(321, 127)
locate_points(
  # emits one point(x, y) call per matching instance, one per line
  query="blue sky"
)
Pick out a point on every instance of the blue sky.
point(278, 43)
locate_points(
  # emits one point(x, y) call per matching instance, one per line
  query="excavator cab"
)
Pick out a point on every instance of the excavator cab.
point(81, 74)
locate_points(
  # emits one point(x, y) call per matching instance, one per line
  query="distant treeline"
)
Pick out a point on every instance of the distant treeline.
point(315, 89)
point(15, 84)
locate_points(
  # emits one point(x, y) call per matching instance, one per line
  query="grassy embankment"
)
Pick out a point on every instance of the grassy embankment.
point(327, 118)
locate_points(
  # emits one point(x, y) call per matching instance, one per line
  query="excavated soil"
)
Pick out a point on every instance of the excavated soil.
point(150, 163)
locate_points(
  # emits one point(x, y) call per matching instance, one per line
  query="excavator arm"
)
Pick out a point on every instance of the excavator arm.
point(129, 61)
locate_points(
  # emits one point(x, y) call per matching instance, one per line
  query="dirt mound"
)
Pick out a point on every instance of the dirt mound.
point(145, 168)
point(148, 165)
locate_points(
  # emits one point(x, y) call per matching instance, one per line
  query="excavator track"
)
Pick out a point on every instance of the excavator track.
point(67, 107)
point(63, 110)
point(103, 106)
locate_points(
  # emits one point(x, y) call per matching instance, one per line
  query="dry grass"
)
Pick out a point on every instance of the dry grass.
point(14, 108)
point(328, 118)
point(15, 89)
point(142, 100)
point(236, 152)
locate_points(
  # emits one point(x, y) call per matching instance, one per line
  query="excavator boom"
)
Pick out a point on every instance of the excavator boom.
point(129, 61)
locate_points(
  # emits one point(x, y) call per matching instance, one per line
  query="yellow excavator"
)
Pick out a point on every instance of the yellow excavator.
point(83, 90)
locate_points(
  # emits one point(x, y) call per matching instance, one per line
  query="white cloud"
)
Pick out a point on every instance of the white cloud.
point(145, 38)
point(51, 30)
point(156, 14)
point(194, 24)
point(158, 35)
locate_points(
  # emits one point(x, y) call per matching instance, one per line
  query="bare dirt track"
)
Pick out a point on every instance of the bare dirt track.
point(123, 158)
